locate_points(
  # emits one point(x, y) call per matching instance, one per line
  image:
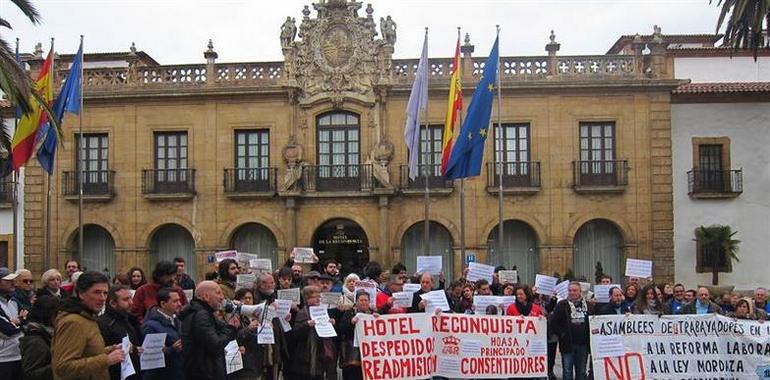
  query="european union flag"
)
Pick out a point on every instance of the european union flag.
point(468, 151)
point(68, 101)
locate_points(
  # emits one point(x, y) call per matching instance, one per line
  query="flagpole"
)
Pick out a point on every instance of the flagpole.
point(500, 155)
point(15, 194)
point(462, 180)
point(80, 157)
point(47, 250)
point(426, 237)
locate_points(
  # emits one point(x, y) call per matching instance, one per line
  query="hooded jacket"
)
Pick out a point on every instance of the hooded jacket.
point(204, 338)
point(78, 348)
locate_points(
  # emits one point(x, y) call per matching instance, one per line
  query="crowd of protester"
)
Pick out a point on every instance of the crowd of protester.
point(71, 326)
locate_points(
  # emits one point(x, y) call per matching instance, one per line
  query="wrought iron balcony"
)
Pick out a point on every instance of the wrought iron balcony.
point(168, 183)
point(518, 177)
point(429, 172)
point(6, 191)
point(245, 182)
point(97, 184)
point(328, 178)
point(715, 183)
point(600, 176)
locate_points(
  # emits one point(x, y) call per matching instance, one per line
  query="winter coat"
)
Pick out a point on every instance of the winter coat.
point(610, 309)
point(204, 338)
point(157, 323)
point(561, 325)
point(36, 352)
point(78, 347)
point(114, 326)
point(311, 352)
point(535, 311)
point(63, 294)
point(690, 308)
point(349, 356)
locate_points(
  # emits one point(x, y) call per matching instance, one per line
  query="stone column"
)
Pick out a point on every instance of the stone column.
point(658, 53)
point(552, 47)
point(291, 223)
point(467, 50)
point(384, 206)
point(211, 58)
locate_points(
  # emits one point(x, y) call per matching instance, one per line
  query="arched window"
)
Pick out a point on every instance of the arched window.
point(173, 240)
point(339, 156)
point(257, 239)
point(440, 245)
point(598, 241)
point(519, 249)
point(98, 249)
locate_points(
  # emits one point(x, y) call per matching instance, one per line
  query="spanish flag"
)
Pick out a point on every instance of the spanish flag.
point(23, 143)
point(454, 107)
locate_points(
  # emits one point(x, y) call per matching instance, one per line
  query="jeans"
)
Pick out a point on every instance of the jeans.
point(576, 359)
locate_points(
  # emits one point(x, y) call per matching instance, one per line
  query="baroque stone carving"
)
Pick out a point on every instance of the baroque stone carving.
point(292, 155)
point(288, 32)
point(379, 158)
point(338, 57)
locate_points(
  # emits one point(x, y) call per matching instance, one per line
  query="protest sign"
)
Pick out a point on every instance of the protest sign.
point(602, 292)
point(244, 259)
point(545, 284)
point(409, 287)
point(245, 281)
point(323, 326)
point(369, 287)
point(403, 299)
point(152, 353)
point(415, 346)
point(291, 294)
point(508, 276)
point(562, 289)
point(430, 264)
point(265, 334)
point(435, 300)
point(232, 254)
point(188, 293)
point(478, 271)
point(331, 299)
point(126, 366)
point(233, 357)
point(261, 265)
point(304, 256)
point(638, 268)
point(706, 346)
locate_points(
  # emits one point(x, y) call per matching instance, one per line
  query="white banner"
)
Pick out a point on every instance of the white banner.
point(708, 346)
point(418, 346)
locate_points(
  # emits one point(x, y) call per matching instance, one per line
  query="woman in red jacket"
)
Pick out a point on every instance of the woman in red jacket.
point(524, 304)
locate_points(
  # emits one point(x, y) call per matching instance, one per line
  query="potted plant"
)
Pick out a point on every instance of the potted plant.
point(717, 241)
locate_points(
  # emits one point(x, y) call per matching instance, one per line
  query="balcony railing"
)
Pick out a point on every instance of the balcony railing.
point(168, 181)
point(355, 177)
point(250, 180)
point(715, 182)
point(600, 174)
point(434, 178)
point(6, 191)
point(96, 183)
point(516, 175)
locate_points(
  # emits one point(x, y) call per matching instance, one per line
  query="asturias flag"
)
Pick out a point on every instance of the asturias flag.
point(418, 100)
point(454, 107)
point(24, 138)
point(468, 151)
point(68, 101)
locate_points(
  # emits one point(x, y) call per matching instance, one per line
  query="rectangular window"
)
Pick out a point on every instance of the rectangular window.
point(429, 157)
point(170, 157)
point(94, 156)
point(252, 154)
point(711, 172)
point(338, 154)
point(597, 165)
point(514, 138)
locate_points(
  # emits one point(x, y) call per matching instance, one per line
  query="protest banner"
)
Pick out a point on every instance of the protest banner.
point(508, 276)
point(244, 259)
point(414, 346)
point(304, 255)
point(706, 346)
point(232, 254)
point(261, 265)
point(291, 294)
point(245, 281)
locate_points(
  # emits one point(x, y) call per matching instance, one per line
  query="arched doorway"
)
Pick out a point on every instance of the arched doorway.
point(519, 248)
point(98, 249)
point(440, 245)
point(170, 241)
point(598, 240)
point(257, 239)
point(344, 241)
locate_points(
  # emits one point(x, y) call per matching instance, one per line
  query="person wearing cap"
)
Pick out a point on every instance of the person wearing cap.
point(24, 293)
point(312, 278)
point(145, 297)
point(11, 318)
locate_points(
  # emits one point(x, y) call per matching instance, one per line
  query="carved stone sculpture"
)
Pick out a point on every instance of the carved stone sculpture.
point(388, 29)
point(292, 155)
point(379, 158)
point(288, 32)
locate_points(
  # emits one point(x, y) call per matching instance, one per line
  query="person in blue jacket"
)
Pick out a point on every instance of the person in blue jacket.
point(162, 319)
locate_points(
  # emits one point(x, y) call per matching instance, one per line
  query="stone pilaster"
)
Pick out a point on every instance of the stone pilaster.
point(661, 191)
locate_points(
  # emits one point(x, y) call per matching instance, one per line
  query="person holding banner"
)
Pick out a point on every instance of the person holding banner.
point(616, 306)
point(570, 323)
point(760, 299)
point(162, 319)
point(647, 302)
point(350, 356)
point(629, 295)
point(426, 286)
point(745, 310)
point(313, 357)
point(702, 304)
point(465, 304)
point(524, 304)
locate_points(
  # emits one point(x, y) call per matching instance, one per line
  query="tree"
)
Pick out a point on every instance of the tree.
point(743, 27)
point(14, 81)
point(717, 245)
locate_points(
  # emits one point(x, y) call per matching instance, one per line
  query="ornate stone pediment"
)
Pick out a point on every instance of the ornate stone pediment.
point(337, 57)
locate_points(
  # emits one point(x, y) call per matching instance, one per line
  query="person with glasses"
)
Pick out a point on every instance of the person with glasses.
point(24, 293)
point(678, 301)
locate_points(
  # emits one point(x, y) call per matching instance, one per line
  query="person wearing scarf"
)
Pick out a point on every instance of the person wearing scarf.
point(349, 288)
point(524, 304)
point(647, 302)
point(350, 356)
point(570, 323)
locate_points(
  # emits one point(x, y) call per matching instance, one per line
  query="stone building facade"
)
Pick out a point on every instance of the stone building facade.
point(185, 160)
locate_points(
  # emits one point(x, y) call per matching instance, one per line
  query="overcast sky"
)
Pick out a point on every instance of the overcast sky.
point(176, 31)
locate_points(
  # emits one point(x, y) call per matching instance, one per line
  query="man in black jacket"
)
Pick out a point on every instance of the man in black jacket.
point(616, 305)
point(204, 335)
point(117, 322)
point(570, 323)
